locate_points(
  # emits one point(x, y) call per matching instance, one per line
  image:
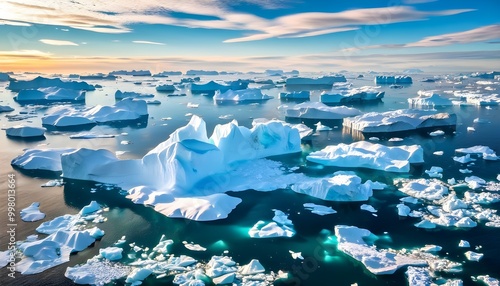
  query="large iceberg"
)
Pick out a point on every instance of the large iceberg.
point(400, 120)
point(343, 186)
point(429, 99)
point(361, 94)
point(364, 154)
point(175, 176)
point(40, 159)
point(322, 81)
point(49, 95)
point(249, 94)
point(281, 226)
point(212, 86)
point(42, 82)
point(126, 110)
point(318, 110)
point(382, 79)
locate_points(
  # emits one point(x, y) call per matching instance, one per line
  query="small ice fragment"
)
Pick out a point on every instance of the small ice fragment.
point(296, 255)
point(369, 208)
point(473, 256)
point(438, 153)
point(463, 243)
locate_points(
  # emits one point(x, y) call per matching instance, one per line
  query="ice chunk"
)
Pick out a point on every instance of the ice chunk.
point(280, 227)
point(138, 275)
point(6, 108)
point(382, 79)
point(429, 99)
point(425, 189)
point(124, 94)
point(361, 94)
point(193, 247)
point(399, 120)
point(463, 243)
point(473, 256)
point(253, 267)
point(60, 222)
point(318, 110)
point(368, 208)
point(425, 224)
point(418, 276)
point(490, 281)
point(295, 95)
point(435, 172)
point(321, 127)
point(319, 209)
point(25, 131)
point(166, 88)
point(90, 208)
point(485, 151)
point(343, 186)
point(296, 255)
point(403, 210)
point(41, 159)
point(96, 272)
point(111, 253)
point(364, 154)
point(437, 133)
point(250, 94)
point(463, 159)
point(32, 213)
point(213, 86)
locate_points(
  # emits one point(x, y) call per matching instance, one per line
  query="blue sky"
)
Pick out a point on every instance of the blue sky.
point(243, 35)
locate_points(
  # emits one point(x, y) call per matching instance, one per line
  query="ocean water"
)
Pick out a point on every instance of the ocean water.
point(323, 264)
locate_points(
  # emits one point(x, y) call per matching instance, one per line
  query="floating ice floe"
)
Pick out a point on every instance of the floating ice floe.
point(464, 243)
point(318, 110)
point(429, 99)
point(111, 253)
point(486, 279)
point(32, 213)
point(40, 159)
point(418, 276)
point(400, 120)
point(249, 94)
point(321, 127)
point(97, 272)
point(364, 154)
point(91, 135)
point(343, 186)
point(400, 79)
point(437, 133)
point(473, 256)
point(463, 159)
point(128, 109)
point(435, 172)
point(485, 151)
point(403, 210)
point(124, 94)
point(367, 208)
point(296, 255)
point(321, 81)
point(476, 99)
point(319, 209)
point(163, 178)
point(213, 86)
point(281, 226)
point(193, 246)
point(6, 108)
point(25, 131)
point(41, 82)
point(305, 94)
point(52, 183)
point(361, 94)
point(166, 88)
point(50, 95)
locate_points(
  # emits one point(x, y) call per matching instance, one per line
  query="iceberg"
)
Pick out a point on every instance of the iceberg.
point(50, 95)
point(250, 94)
point(42, 82)
point(167, 73)
point(32, 213)
point(476, 99)
point(6, 108)
point(132, 72)
point(128, 109)
point(318, 110)
point(212, 86)
point(402, 79)
point(430, 190)
point(305, 94)
point(25, 131)
point(5, 76)
point(485, 151)
point(429, 99)
point(121, 95)
point(166, 88)
point(473, 256)
point(400, 120)
point(201, 72)
point(321, 81)
point(41, 159)
point(364, 154)
point(111, 253)
point(281, 226)
point(319, 209)
point(96, 272)
point(379, 262)
point(343, 186)
point(361, 94)
point(98, 76)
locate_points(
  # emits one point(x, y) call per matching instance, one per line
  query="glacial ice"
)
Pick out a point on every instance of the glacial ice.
point(166, 88)
point(305, 94)
point(322, 81)
point(132, 72)
point(429, 99)
point(361, 94)
point(212, 86)
point(32, 213)
point(363, 154)
point(111, 253)
point(281, 226)
point(343, 186)
point(473, 256)
point(25, 131)
point(124, 94)
point(41, 82)
point(50, 95)
point(485, 151)
point(6, 108)
point(40, 159)
point(401, 79)
point(249, 94)
point(124, 110)
point(399, 120)
point(318, 110)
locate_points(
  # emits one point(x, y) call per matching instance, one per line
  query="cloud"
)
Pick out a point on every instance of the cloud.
point(25, 54)
point(116, 16)
point(14, 23)
point(411, 2)
point(148, 43)
point(58, 42)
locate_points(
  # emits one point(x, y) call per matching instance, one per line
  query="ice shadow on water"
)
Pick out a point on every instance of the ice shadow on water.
point(46, 174)
point(48, 103)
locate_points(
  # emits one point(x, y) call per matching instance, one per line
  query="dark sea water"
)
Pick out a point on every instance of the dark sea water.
point(323, 264)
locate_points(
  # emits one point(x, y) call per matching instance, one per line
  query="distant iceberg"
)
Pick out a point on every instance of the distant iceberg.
point(201, 72)
point(50, 95)
point(166, 88)
point(42, 82)
point(132, 72)
point(401, 79)
point(212, 86)
point(4, 76)
point(429, 99)
point(485, 75)
point(40, 159)
point(361, 94)
point(124, 94)
point(400, 120)
point(305, 94)
point(167, 73)
point(98, 76)
point(126, 110)
point(318, 110)
point(323, 81)
point(363, 154)
point(249, 94)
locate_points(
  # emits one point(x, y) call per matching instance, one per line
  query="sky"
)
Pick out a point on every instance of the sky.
point(88, 36)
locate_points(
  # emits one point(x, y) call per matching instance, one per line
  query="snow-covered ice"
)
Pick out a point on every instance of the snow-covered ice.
point(41, 159)
point(50, 95)
point(319, 209)
point(305, 94)
point(429, 99)
point(124, 94)
point(32, 213)
point(249, 94)
point(361, 94)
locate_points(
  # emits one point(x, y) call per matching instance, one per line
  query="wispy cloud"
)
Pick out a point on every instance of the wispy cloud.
point(411, 2)
point(148, 43)
point(482, 34)
point(14, 23)
point(116, 16)
point(58, 42)
point(25, 54)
